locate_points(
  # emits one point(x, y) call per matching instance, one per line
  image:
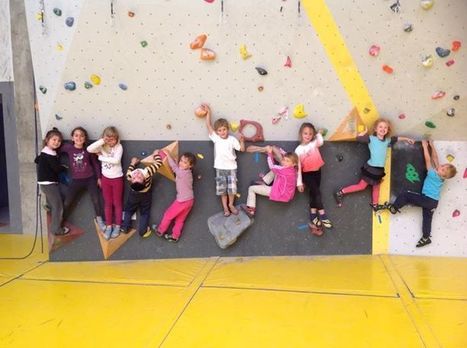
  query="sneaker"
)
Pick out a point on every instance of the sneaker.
point(146, 233)
point(107, 232)
point(124, 230)
point(339, 196)
point(326, 222)
point(156, 231)
point(169, 238)
point(115, 232)
point(250, 211)
point(423, 241)
point(64, 230)
point(100, 223)
point(392, 208)
point(315, 220)
point(377, 207)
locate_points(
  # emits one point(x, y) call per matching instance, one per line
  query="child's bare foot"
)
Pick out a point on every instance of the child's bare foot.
point(226, 212)
point(233, 209)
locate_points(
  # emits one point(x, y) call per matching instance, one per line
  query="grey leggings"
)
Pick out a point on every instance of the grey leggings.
point(54, 199)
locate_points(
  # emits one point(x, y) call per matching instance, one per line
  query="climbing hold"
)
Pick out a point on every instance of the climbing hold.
point(88, 85)
point(426, 4)
point(302, 227)
point(123, 86)
point(299, 111)
point(451, 112)
point(438, 95)
point(450, 158)
point(234, 126)
point(366, 110)
point(43, 89)
point(69, 21)
point(261, 71)
point(201, 111)
point(442, 52)
point(465, 173)
point(427, 61)
point(388, 69)
point(324, 132)
point(198, 42)
point(71, 86)
point(57, 12)
point(199, 177)
point(40, 16)
point(361, 128)
point(456, 213)
point(256, 157)
point(456, 97)
point(276, 119)
point(244, 52)
point(456, 45)
point(96, 79)
point(58, 117)
point(288, 62)
point(131, 14)
point(430, 124)
point(402, 116)
point(209, 1)
point(450, 62)
point(59, 46)
point(339, 157)
point(200, 156)
point(260, 88)
point(143, 43)
point(411, 173)
point(395, 7)
point(143, 153)
point(207, 54)
point(168, 126)
point(257, 136)
point(374, 50)
point(408, 27)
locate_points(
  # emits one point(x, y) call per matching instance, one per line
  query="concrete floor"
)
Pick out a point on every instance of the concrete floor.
point(344, 301)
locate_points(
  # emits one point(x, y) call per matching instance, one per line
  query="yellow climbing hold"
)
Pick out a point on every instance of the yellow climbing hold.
point(234, 126)
point(95, 79)
point(450, 158)
point(40, 16)
point(361, 128)
point(200, 156)
point(59, 46)
point(244, 52)
point(299, 111)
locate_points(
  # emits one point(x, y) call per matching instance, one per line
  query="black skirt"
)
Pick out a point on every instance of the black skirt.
point(372, 175)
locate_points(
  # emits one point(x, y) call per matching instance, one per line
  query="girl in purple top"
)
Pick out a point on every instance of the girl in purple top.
point(181, 206)
point(85, 173)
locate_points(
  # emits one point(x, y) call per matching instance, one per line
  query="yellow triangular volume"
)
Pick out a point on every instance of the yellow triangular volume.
point(165, 169)
point(112, 245)
point(349, 127)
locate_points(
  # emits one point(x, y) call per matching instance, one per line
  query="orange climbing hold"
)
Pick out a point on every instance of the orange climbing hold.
point(198, 42)
point(456, 45)
point(388, 69)
point(207, 54)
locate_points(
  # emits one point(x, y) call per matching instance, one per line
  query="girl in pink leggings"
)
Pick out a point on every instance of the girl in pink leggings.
point(110, 153)
point(373, 170)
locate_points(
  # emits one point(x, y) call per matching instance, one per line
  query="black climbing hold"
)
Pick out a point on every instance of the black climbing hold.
point(57, 12)
point(339, 157)
point(58, 117)
point(451, 112)
point(442, 52)
point(69, 21)
point(88, 85)
point(395, 7)
point(261, 71)
point(408, 27)
point(43, 89)
point(456, 97)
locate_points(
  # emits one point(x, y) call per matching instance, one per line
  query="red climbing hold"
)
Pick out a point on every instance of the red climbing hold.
point(456, 213)
point(450, 62)
point(388, 69)
point(438, 95)
point(374, 50)
point(402, 116)
point(455, 46)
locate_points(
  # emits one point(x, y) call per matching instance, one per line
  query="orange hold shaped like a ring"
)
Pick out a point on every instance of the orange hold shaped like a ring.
point(199, 42)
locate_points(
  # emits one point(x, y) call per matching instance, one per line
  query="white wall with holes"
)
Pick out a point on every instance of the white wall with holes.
point(166, 80)
point(408, 90)
point(449, 234)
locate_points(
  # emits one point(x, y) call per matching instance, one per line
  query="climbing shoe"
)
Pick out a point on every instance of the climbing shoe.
point(423, 241)
point(169, 238)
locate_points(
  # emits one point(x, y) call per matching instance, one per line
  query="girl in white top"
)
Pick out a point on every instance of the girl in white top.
point(110, 153)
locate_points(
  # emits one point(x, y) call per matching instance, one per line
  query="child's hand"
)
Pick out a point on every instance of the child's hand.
point(134, 161)
point(207, 108)
point(301, 188)
point(364, 132)
point(410, 141)
point(269, 149)
point(430, 142)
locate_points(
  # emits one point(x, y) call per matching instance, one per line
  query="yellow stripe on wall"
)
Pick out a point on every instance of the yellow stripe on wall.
point(328, 32)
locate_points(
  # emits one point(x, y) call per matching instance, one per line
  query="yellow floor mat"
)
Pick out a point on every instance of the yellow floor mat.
point(363, 274)
point(433, 277)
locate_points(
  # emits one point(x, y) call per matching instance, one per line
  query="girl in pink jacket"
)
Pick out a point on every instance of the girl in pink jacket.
point(309, 173)
point(283, 178)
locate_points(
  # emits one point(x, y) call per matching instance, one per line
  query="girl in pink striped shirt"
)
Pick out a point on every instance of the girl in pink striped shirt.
point(309, 173)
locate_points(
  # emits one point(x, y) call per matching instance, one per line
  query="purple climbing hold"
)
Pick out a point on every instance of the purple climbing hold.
point(123, 86)
point(69, 21)
point(442, 52)
point(71, 86)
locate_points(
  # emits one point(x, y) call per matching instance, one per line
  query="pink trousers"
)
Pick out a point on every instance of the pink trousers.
point(177, 211)
point(360, 187)
point(112, 190)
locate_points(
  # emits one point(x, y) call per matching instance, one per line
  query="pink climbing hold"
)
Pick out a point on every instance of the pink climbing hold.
point(450, 62)
point(402, 116)
point(438, 95)
point(465, 173)
point(374, 50)
point(288, 62)
point(456, 213)
point(209, 1)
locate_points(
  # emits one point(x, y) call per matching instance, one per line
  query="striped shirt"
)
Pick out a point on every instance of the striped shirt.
point(148, 172)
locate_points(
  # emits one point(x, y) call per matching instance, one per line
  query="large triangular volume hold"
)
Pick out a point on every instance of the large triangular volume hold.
point(165, 169)
point(112, 245)
point(349, 127)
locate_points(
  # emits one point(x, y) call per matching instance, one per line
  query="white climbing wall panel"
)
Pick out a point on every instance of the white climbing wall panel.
point(449, 233)
point(166, 80)
point(50, 43)
point(6, 66)
point(409, 88)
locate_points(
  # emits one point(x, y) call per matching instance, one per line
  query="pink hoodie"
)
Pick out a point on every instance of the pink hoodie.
point(283, 187)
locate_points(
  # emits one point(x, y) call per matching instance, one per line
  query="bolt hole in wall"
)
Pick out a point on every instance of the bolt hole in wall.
point(4, 209)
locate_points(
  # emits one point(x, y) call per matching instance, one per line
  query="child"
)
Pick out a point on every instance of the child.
point(140, 195)
point(283, 186)
point(85, 172)
point(428, 199)
point(48, 168)
point(110, 153)
point(181, 206)
point(373, 170)
point(224, 160)
point(309, 173)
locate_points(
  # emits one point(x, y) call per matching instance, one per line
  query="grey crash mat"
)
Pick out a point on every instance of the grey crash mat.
point(226, 230)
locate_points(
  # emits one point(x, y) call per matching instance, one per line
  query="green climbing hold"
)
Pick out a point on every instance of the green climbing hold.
point(43, 89)
point(57, 12)
point(411, 173)
point(88, 85)
point(324, 132)
point(430, 124)
point(144, 43)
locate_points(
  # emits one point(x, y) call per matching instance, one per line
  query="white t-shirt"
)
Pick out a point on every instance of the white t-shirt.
point(111, 160)
point(224, 151)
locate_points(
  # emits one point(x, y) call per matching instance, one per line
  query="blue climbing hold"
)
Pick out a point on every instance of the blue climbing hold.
point(442, 52)
point(144, 153)
point(122, 86)
point(70, 86)
point(69, 21)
